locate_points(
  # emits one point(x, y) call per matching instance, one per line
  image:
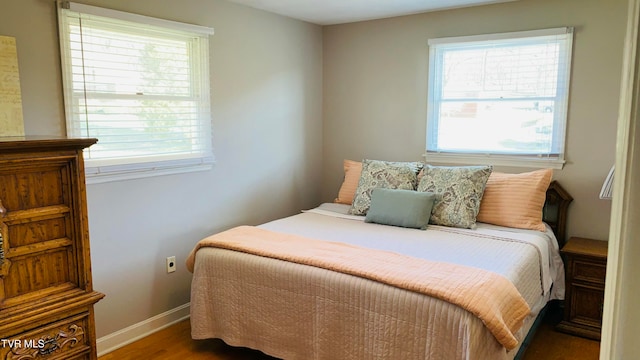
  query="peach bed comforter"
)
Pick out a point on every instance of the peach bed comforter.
point(298, 310)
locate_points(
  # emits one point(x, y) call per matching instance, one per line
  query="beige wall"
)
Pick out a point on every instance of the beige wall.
point(266, 82)
point(375, 90)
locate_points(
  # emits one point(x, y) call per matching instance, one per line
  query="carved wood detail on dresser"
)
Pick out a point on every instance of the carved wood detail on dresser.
point(46, 292)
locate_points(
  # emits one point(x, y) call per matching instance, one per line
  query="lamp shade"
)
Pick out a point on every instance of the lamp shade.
point(607, 187)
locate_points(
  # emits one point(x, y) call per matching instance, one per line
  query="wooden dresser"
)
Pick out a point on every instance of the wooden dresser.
point(586, 266)
point(46, 294)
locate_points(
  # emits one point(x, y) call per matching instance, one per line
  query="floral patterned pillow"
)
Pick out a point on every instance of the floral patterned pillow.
point(459, 191)
point(382, 174)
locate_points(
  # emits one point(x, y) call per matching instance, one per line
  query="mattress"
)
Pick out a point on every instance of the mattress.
point(295, 311)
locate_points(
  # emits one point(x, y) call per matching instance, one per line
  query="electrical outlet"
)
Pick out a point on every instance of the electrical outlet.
point(171, 264)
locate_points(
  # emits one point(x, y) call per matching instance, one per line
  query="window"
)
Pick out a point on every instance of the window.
point(140, 86)
point(499, 99)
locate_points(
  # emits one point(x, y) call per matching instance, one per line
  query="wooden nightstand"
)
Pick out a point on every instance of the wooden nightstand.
point(585, 264)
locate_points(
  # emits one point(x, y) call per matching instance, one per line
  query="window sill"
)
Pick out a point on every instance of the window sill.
point(496, 160)
point(103, 174)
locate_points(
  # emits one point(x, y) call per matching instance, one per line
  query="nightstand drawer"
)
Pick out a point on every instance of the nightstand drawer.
point(590, 271)
point(586, 306)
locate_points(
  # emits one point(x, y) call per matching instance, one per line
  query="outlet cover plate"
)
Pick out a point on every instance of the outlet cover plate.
point(171, 264)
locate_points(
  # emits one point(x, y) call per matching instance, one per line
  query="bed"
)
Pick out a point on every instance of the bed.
point(293, 309)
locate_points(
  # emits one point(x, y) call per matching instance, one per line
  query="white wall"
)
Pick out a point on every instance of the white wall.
point(375, 90)
point(621, 320)
point(266, 82)
point(626, 292)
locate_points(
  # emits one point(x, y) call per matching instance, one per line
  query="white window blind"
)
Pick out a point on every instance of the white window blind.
point(500, 98)
point(138, 84)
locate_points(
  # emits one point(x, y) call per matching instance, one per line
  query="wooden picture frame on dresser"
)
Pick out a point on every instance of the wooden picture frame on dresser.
point(46, 291)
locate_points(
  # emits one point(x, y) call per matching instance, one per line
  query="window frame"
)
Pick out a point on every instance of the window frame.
point(437, 48)
point(132, 167)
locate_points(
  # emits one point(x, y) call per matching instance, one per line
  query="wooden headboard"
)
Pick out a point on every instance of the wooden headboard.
point(555, 210)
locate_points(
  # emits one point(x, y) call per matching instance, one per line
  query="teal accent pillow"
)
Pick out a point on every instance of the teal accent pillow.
point(405, 208)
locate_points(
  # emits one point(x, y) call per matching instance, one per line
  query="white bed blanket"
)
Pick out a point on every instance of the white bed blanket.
point(506, 251)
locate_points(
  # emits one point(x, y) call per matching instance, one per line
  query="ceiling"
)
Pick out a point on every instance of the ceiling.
point(330, 12)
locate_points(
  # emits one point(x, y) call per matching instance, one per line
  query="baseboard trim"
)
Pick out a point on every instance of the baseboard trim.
point(120, 338)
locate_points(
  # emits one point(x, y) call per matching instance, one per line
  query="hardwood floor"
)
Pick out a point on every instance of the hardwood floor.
point(549, 344)
point(175, 343)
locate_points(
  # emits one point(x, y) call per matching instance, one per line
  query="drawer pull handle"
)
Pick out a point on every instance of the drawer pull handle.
point(49, 344)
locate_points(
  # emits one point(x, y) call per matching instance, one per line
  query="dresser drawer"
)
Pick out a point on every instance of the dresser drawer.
point(589, 271)
point(65, 339)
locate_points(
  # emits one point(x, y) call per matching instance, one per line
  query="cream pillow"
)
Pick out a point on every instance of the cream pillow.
point(515, 200)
